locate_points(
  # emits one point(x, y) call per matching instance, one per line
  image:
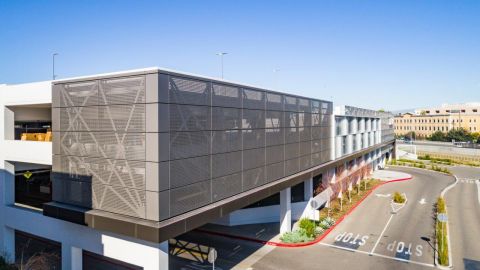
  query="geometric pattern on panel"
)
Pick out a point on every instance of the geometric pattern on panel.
point(100, 136)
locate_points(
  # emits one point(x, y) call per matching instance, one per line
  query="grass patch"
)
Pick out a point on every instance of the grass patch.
point(441, 234)
point(448, 161)
point(421, 165)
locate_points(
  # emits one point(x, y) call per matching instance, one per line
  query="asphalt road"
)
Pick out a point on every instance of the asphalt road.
point(372, 237)
point(463, 206)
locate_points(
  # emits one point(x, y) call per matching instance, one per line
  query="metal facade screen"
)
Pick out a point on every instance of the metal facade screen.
point(157, 145)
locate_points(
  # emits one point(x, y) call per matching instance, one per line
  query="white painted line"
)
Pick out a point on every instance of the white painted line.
point(380, 236)
point(343, 248)
point(478, 191)
point(376, 254)
point(382, 195)
point(403, 260)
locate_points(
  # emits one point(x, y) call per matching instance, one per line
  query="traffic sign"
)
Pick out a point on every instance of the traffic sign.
point(212, 255)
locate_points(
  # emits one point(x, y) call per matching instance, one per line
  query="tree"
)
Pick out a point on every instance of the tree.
point(438, 136)
point(475, 137)
point(381, 110)
point(459, 135)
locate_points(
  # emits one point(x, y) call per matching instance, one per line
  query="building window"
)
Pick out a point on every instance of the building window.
point(37, 252)
point(33, 187)
point(95, 261)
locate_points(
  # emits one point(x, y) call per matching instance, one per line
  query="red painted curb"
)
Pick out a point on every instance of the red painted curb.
point(318, 239)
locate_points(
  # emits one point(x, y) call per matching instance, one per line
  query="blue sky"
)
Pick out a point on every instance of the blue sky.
point(375, 54)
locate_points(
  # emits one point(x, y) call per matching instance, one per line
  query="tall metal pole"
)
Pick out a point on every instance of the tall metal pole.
point(53, 66)
point(221, 54)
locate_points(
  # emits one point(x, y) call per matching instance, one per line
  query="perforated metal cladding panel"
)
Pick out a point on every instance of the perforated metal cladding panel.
point(129, 146)
point(79, 94)
point(305, 162)
point(226, 186)
point(291, 119)
point(188, 171)
point(292, 135)
point(78, 119)
point(189, 144)
point(189, 118)
point(275, 136)
point(226, 141)
point(253, 99)
point(290, 103)
point(226, 96)
point(305, 133)
point(253, 138)
point(189, 91)
point(122, 118)
point(254, 119)
point(121, 173)
point(253, 178)
point(292, 166)
point(275, 171)
point(275, 154)
point(305, 148)
point(122, 90)
point(125, 201)
point(274, 119)
point(304, 105)
point(292, 150)
point(274, 102)
point(253, 158)
point(190, 197)
point(226, 118)
point(304, 119)
point(227, 163)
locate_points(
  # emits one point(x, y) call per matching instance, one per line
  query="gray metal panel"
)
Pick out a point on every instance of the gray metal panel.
point(275, 171)
point(226, 141)
point(226, 186)
point(188, 171)
point(253, 119)
point(253, 178)
point(120, 200)
point(291, 103)
point(78, 94)
point(227, 163)
point(292, 150)
point(152, 88)
point(275, 136)
point(253, 99)
point(226, 118)
point(157, 176)
point(253, 158)
point(189, 144)
point(189, 118)
point(292, 166)
point(274, 101)
point(188, 91)
point(56, 95)
point(152, 117)
point(190, 197)
point(274, 119)
point(253, 138)
point(292, 135)
point(275, 154)
point(124, 90)
point(55, 119)
point(226, 96)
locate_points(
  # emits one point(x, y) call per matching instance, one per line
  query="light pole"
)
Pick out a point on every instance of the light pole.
point(53, 66)
point(221, 54)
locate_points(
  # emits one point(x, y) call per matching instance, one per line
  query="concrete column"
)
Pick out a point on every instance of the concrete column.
point(285, 210)
point(308, 189)
point(9, 183)
point(71, 257)
point(8, 245)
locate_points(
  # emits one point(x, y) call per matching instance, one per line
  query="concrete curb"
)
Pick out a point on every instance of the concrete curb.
point(401, 166)
point(450, 262)
point(304, 244)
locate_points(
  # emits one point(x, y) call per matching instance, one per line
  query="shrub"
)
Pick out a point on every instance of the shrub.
point(308, 226)
point(398, 198)
point(297, 236)
point(319, 230)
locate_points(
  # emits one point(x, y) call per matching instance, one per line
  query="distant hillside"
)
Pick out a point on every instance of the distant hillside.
point(403, 111)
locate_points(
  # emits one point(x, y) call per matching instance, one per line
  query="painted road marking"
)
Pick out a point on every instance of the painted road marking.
point(404, 251)
point(422, 201)
point(350, 240)
point(376, 254)
point(382, 195)
point(468, 180)
point(380, 236)
point(478, 191)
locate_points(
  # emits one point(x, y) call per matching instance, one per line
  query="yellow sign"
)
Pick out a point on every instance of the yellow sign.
point(27, 174)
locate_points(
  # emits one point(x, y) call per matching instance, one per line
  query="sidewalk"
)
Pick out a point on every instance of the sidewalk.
point(387, 175)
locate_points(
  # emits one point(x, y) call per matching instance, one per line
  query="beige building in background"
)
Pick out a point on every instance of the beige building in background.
point(425, 122)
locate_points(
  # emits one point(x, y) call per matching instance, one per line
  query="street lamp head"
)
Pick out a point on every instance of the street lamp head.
point(221, 53)
point(424, 238)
